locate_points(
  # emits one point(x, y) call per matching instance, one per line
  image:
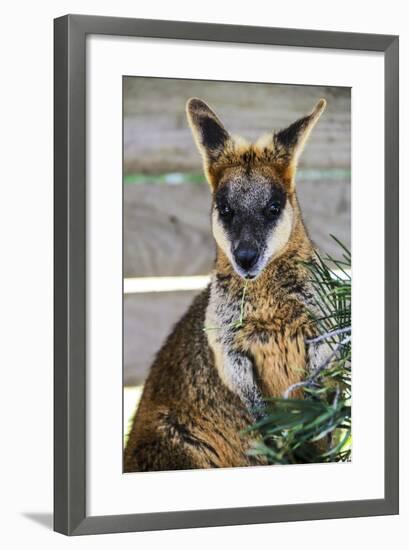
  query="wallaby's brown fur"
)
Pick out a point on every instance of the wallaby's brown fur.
point(206, 386)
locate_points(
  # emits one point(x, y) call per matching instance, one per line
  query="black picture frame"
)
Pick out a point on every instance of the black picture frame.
point(70, 34)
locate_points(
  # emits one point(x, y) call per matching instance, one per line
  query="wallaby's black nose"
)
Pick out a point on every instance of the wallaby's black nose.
point(246, 256)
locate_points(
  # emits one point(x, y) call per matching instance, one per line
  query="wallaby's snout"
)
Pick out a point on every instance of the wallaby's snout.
point(246, 255)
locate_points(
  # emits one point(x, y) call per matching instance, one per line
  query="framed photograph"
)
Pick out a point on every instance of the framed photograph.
point(226, 216)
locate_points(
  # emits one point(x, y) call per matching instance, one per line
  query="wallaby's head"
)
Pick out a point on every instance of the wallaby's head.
point(254, 205)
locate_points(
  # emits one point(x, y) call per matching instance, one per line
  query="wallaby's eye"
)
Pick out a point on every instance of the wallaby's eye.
point(274, 209)
point(225, 211)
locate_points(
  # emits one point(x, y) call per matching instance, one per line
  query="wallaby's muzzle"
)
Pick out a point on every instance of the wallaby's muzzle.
point(246, 255)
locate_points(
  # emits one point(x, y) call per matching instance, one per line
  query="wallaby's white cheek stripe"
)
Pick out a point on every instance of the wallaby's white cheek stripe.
point(221, 237)
point(280, 234)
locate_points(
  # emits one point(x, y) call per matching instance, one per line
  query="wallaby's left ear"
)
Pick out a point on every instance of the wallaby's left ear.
point(209, 133)
point(291, 140)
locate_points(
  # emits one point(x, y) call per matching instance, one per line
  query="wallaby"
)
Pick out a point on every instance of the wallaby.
point(207, 383)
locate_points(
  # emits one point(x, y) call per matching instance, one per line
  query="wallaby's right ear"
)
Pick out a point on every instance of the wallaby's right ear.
point(209, 133)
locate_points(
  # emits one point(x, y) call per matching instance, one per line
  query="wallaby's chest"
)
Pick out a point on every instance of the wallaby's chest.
point(266, 352)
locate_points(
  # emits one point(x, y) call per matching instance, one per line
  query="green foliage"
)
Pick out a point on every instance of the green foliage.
point(318, 427)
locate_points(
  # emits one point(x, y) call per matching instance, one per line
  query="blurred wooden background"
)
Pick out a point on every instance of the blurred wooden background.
point(166, 201)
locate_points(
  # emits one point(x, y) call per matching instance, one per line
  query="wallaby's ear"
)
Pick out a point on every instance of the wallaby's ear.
point(290, 141)
point(209, 133)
